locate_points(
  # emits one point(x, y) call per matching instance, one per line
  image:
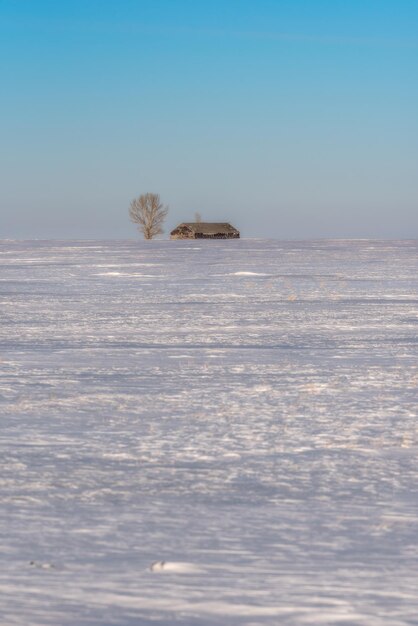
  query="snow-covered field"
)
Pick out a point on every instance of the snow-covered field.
point(243, 413)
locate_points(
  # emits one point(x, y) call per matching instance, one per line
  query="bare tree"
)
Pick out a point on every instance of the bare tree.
point(149, 213)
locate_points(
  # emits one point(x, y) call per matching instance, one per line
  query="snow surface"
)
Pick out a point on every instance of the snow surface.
point(209, 433)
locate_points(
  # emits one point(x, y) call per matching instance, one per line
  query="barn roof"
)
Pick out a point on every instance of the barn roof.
point(209, 228)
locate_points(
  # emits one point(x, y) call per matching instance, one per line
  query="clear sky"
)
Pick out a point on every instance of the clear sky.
point(289, 118)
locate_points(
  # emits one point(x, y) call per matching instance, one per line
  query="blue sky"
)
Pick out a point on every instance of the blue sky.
point(290, 118)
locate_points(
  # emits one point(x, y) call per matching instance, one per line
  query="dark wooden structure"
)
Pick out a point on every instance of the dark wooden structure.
point(204, 230)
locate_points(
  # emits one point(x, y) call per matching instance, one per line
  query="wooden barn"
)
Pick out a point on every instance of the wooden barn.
point(204, 230)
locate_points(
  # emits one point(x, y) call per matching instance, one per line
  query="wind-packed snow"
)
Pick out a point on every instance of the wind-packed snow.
point(209, 432)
